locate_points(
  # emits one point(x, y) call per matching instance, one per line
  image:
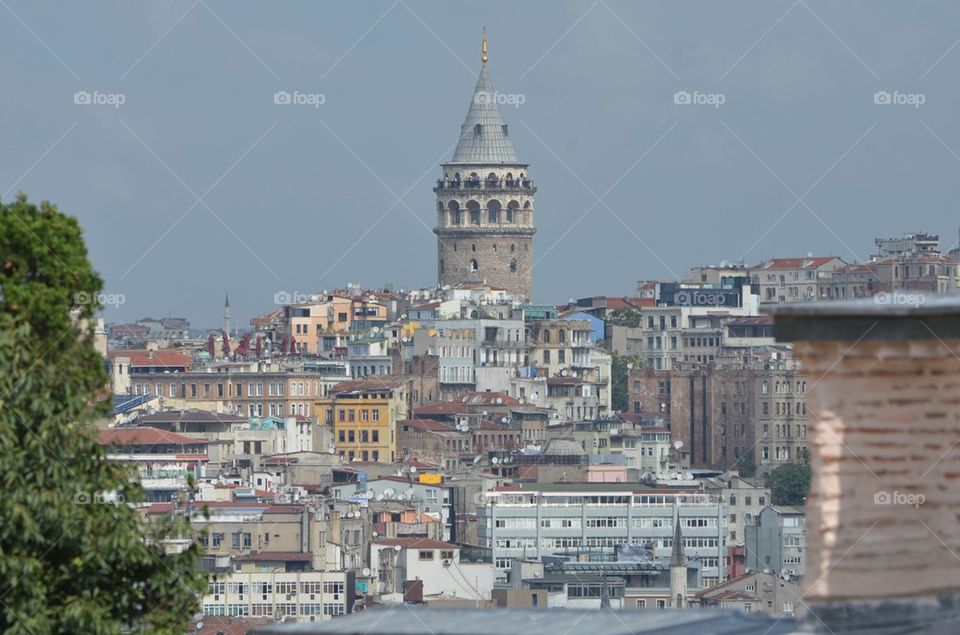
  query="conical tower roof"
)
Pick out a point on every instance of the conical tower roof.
point(484, 137)
point(678, 556)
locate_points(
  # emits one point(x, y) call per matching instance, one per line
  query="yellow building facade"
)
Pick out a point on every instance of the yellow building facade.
point(363, 414)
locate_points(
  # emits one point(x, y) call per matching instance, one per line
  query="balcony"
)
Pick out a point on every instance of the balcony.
point(489, 186)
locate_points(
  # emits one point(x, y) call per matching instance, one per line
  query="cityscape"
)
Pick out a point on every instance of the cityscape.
point(765, 444)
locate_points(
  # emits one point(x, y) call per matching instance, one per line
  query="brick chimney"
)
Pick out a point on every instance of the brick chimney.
point(883, 398)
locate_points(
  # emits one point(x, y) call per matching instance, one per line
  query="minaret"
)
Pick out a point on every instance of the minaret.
point(485, 201)
point(678, 568)
point(226, 315)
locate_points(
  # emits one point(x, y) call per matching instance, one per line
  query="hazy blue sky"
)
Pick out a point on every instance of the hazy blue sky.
point(798, 158)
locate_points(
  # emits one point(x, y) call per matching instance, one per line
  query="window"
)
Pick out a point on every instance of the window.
point(425, 555)
point(446, 555)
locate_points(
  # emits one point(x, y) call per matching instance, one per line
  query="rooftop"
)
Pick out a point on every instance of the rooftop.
point(417, 621)
point(144, 436)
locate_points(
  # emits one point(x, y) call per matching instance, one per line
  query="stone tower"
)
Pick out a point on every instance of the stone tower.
point(485, 202)
point(678, 568)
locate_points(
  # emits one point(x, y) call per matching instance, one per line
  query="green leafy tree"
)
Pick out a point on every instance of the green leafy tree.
point(746, 465)
point(70, 562)
point(789, 484)
point(624, 317)
point(621, 365)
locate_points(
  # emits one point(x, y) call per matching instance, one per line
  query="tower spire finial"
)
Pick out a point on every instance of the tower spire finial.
point(483, 58)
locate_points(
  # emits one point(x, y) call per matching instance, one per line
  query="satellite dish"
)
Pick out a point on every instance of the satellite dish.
point(499, 400)
point(389, 492)
point(494, 460)
point(396, 548)
point(370, 493)
point(379, 497)
point(477, 459)
point(413, 469)
point(563, 373)
point(522, 401)
point(678, 444)
point(503, 419)
point(484, 413)
point(366, 572)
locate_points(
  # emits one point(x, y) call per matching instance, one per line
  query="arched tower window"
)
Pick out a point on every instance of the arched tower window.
point(456, 214)
point(493, 211)
point(474, 265)
point(513, 265)
point(512, 207)
point(474, 209)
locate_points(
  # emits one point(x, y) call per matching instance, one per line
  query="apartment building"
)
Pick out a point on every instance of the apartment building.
point(363, 414)
point(258, 589)
point(134, 371)
point(434, 564)
point(163, 462)
point(251, 389)
point(731, 414)
point(592, 521)
point(308, 322)
point(688, 324)
point(745, 498)
point(787, 280)
point(645, 447)
point(756, 592)
point(777, 541)
point(559, 344)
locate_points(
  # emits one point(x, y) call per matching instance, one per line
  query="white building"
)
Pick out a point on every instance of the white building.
point(590, 520)
point(437, 564)
point(301, 596)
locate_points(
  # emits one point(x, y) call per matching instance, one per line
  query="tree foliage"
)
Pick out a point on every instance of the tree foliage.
point(69, 562)
point(789, 484)
point(620, 380)
point(624, 317)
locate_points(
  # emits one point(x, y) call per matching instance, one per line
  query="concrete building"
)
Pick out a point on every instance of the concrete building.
point(745, 499)
point(485, 203)
point(777, 541)
point(756, 592)
point(288, 596)
point(163, 462)
point(730, 414)
point(789, 280)
point(591, 521)
point(399, 563)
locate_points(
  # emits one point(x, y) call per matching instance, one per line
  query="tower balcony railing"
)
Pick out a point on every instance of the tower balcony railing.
point(500, 185)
